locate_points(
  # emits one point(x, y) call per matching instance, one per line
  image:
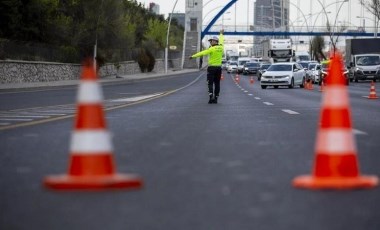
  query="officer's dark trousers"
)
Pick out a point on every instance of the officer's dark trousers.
point(213, 79)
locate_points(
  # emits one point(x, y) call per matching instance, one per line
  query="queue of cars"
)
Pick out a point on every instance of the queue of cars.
point(287, 74)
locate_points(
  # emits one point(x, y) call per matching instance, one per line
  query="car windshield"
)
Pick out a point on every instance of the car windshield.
point(280, 68)
point(312, 66)
point(368, 60)
point(304, 64)
point(265, 66)
point(233, 63)
point(252, 64)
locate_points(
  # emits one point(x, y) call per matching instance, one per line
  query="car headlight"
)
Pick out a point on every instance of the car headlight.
point(358, 69)
point(284, 76)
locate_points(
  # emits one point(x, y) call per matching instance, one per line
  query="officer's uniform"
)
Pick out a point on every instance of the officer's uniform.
point(214, 70)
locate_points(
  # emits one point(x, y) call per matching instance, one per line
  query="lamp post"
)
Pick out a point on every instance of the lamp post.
point(167, 39)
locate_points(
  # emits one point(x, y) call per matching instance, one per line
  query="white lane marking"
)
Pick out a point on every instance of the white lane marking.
point(245, 91)
point(267, 103)
point(22, 116)
point(250, 94)
point(15, 119)
point(257, 98)
point(133, 99)
point(290, 111)
point(2, 123)
point(358, 132)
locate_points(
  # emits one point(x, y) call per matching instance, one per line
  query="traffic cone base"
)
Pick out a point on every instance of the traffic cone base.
point(311, 182)
point(112, 181)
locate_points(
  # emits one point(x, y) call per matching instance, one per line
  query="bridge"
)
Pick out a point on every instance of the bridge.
point(207, 31)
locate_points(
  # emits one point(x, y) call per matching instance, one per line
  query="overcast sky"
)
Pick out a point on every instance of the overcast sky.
point(351, 8)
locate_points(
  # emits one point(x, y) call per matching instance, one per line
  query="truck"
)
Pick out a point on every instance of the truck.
point(277, 50)
point(301, 56)
point(362, 58)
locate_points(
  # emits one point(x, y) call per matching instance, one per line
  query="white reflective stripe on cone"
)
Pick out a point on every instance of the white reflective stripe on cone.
point(335, 141)
point(89, 92)
point(335, 97)
point(91, 142)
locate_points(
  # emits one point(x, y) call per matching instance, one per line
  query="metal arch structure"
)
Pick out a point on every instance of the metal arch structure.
point(207, 29)
point(286, 33)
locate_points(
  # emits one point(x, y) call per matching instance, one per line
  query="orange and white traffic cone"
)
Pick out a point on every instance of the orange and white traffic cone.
point(251, 80)
point(91, 162)
point(237, 78)
point(335, 164)
point(372, 92)
point(221, 77)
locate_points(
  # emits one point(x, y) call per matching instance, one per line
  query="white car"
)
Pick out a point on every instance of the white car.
point(232, 67)
point(283, 74)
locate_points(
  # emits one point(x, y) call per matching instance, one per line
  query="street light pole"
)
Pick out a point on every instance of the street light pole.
point(167, 39)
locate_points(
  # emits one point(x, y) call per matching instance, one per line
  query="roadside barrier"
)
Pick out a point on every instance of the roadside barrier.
point(91, 162)
point(335, 163)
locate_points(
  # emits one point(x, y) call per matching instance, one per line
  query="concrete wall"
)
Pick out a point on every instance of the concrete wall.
point(23, 71)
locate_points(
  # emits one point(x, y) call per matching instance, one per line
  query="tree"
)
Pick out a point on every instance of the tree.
point(318, 45)
point(373, 6)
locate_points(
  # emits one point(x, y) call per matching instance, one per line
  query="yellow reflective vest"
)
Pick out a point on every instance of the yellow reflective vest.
point(215, 53)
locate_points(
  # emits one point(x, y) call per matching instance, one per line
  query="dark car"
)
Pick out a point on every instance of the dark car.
point(262, 69)
point(251, 67)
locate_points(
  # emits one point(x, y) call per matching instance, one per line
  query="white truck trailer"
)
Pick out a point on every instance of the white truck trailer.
point(277, 50)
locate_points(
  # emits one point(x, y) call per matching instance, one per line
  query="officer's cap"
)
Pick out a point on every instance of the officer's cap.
point(215, 38)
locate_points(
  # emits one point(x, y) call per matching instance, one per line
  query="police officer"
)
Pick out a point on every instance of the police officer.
point(214, 70)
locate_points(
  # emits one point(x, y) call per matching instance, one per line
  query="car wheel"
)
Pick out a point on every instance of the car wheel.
point(291, 84)
point(263, 86)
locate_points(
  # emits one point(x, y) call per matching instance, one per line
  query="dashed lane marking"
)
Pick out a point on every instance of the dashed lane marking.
point(358, 132)
point(290, 111)
point(257, 98)
point(268, 103)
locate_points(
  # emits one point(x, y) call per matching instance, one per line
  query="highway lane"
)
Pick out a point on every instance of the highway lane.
point(223, 166)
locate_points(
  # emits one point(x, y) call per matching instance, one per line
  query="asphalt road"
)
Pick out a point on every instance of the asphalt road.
point(220, 166)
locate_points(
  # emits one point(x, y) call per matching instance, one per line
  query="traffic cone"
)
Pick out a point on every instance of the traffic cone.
point(237, 78)
point(221, 77)
point(251, 80)
point(372, 92)
point(335, 164)
point(91, 162)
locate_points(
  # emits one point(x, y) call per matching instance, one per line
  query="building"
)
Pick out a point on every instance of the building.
point(272, 15)
point(154, 8)
point(179, 17)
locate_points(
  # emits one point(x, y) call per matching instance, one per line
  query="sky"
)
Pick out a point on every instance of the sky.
point(238, 14)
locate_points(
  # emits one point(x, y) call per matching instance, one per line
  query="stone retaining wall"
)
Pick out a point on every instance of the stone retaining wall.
point(23, 71)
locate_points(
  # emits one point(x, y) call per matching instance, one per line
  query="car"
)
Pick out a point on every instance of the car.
point(262, 69)
point(304, 64)
point(241, 62)
point(324, 71)
point(283, 74)
point(251, 68)
point(232, 67)
point(224, 64)
point(312, 71)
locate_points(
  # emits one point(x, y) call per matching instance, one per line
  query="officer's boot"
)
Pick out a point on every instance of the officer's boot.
point(210, 101)
point(215, 101)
